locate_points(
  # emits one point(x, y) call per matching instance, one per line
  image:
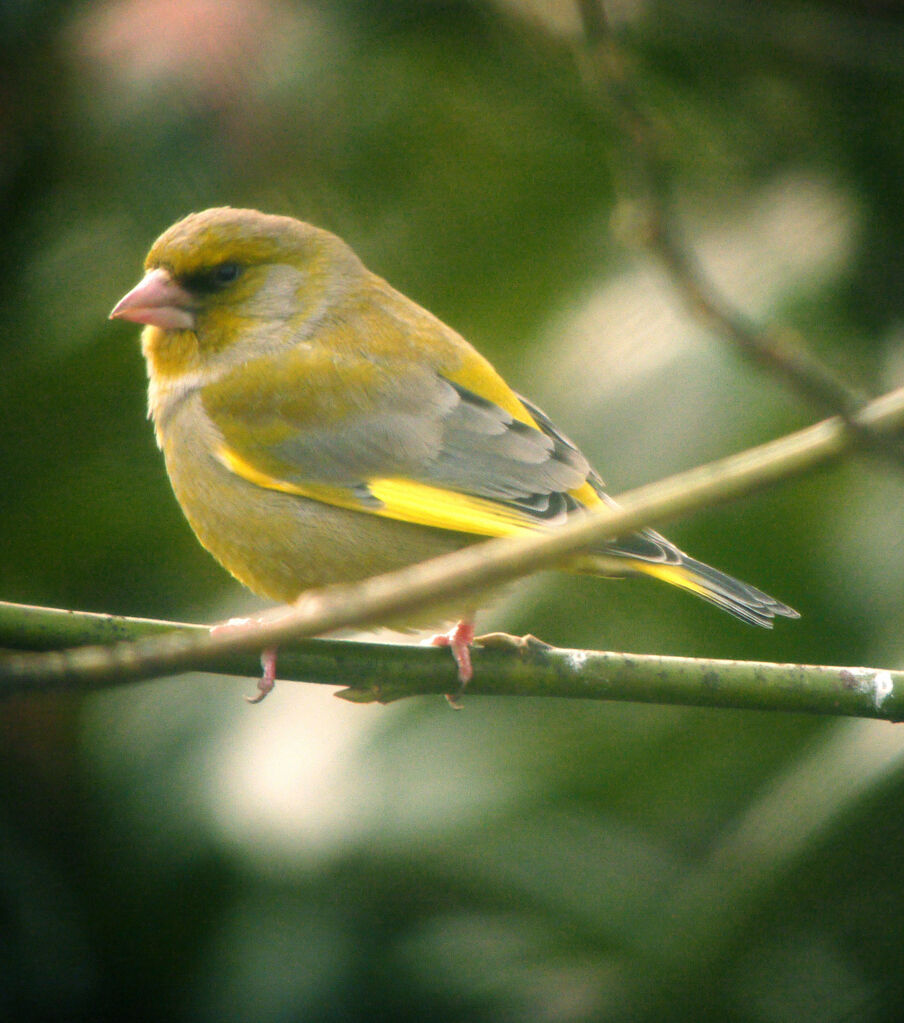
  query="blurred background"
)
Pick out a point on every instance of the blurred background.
point(167, 851)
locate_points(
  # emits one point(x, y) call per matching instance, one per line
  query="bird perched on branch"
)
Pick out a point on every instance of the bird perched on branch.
point(318, 426)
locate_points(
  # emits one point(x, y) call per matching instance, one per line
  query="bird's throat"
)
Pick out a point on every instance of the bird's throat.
point(170, 353)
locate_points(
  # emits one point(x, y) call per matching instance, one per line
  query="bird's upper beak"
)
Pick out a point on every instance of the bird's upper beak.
point(159, 301)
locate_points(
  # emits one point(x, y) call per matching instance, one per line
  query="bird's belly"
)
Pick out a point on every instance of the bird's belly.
point(280, 544)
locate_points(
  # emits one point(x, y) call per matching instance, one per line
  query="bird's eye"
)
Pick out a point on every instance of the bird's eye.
point(224, 274)
point(217, 278)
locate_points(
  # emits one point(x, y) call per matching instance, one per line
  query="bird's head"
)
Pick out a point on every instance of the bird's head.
point(230, 279)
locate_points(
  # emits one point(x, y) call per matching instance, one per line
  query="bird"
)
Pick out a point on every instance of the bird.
point(318, 426)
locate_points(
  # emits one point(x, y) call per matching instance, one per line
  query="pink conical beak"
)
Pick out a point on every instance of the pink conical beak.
point(159, 301)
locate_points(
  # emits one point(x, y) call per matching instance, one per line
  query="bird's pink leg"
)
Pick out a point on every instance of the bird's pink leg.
point(268, 679)
point(459, 640)
point(268, 659)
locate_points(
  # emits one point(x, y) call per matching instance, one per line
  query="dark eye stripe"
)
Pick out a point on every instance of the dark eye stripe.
point(215, 279)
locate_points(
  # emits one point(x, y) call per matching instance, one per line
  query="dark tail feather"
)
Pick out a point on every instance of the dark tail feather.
point(673, 566)
point(738, 598)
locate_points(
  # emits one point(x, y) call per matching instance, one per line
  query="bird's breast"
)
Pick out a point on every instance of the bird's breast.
point(279, 544)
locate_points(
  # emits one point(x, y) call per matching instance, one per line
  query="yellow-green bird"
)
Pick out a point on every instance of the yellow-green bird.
point(318, 426)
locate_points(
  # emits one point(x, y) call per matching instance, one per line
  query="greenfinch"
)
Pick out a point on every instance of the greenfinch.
point(318, 426)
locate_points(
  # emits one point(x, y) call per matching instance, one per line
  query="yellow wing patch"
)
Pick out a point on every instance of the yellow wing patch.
point(409, 501)
point(477, 375)
point(403, 500)
point(586, 495)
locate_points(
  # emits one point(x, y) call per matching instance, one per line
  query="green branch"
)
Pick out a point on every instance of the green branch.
point(414, 589)
point(504, 667)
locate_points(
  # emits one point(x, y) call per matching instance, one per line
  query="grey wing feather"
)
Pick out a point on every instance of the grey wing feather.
point(445, 435)
point(488, 453)
point(399, 440)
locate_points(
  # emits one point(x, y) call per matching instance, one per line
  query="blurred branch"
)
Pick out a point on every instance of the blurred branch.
point(779, 349)
point(504, 667)
point(415, 589)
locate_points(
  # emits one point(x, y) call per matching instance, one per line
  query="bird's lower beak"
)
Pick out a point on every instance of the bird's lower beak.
point(159, 301)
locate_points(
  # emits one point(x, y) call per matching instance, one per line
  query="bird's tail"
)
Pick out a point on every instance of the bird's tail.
point(650, 554)
point(738, 598)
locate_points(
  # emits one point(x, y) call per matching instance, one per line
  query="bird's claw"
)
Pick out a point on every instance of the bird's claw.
point(505, 641)
point(268, 678)
point(268, 658)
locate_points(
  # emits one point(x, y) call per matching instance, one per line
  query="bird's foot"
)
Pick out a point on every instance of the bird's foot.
point(268, 658)
point(505, 641)
point(459, 640)
point(268, 677)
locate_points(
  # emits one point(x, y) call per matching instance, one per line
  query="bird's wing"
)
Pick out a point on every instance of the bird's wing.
point(457, 451)
point(422, 446)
